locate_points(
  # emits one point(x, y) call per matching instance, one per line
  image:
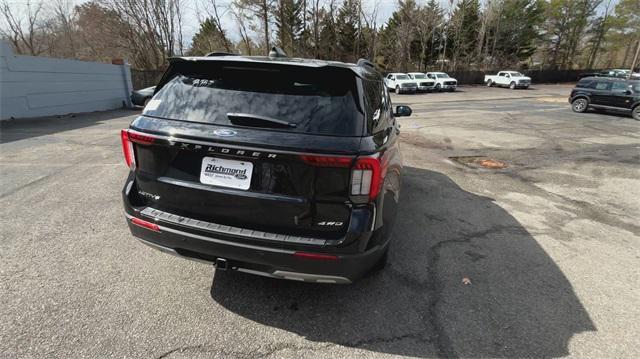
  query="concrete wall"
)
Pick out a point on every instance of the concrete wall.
point(33, 86)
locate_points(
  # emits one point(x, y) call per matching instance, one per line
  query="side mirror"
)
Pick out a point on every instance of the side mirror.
point(628, 92)
point(403, 111)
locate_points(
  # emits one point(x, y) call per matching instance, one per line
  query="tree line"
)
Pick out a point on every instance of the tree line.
point(419, 35)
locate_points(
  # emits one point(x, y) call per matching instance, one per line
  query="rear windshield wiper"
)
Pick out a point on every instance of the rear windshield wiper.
point(247, 119)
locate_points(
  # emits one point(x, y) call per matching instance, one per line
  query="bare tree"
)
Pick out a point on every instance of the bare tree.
point(151, 30)
point(261, 10)
point(24, 31)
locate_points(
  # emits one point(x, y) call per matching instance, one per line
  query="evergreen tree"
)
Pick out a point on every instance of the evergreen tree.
point(463, 32)
point(209, 38)
point(290, 25)
point(347, 30)
point(513, 34)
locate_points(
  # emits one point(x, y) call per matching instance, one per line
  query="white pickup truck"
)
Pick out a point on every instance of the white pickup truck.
point(400, 82)
point(424, 83)
point(511, 79)
point(443, 81)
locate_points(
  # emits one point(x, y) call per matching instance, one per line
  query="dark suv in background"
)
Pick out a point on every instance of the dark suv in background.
point(286, 168)
point(604, 93)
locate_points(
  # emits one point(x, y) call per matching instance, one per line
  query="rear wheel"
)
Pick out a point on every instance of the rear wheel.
point(636, 113)
point(489, 83)
point(579, 105)
point(512, 85)
point(397, 89)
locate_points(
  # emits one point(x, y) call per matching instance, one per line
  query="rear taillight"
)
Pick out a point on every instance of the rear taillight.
point(367, 173)
point(127, 149)
point(327, 161)
point(366, 177)
point(128, 137)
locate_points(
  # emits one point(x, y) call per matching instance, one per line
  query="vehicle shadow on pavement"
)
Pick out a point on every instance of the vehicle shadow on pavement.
point(465, 279)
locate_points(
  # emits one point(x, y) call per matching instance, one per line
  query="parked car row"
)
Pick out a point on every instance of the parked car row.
point(420, 82)
point(619, 73)
point(413, 82)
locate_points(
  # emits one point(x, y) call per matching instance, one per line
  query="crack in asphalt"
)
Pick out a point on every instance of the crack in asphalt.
point(433, 288)
point(257, 353)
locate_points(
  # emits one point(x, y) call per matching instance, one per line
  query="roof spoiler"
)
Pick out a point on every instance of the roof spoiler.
point(221, 53)
point(364, 62)
point(277, 52)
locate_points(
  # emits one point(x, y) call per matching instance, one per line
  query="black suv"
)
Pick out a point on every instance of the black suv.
point(604, 93)
point(286, 168)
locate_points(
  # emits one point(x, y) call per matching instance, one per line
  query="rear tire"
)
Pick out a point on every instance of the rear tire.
point(579, 105)
point(512, 85)
point(398, 89)
point(636, 113)
point(489, 83)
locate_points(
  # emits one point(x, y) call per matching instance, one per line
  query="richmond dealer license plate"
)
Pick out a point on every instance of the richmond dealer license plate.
point(226, 173)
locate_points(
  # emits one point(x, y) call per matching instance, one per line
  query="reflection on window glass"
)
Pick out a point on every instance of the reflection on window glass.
point(620, 86)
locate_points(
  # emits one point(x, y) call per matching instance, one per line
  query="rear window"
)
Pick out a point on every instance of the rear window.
point(315, 100)
point(584, 83)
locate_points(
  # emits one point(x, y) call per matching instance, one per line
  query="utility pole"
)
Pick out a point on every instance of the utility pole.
point(635, 59)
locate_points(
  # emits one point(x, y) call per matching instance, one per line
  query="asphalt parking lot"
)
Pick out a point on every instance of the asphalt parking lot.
point(538, 259)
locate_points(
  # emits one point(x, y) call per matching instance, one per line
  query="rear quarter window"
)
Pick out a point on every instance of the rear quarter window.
point(584, 83)
point(317, 100)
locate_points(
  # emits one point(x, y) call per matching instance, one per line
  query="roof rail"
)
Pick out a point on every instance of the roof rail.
point(221, 53)
point(277, 52)
point(365, 62)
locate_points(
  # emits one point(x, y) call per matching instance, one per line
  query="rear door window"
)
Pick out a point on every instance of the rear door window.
point(314, 100)
point(601, 85)
point(619, 86)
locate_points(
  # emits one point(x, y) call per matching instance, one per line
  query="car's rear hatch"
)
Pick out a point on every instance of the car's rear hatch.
point(257, 146)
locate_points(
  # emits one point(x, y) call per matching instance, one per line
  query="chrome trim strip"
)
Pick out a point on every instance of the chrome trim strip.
point(228, 230)
point(299, 277)
point(255, 272)
point(611, 107)
point(219, 241)
point(306, 277)
point(373, 222)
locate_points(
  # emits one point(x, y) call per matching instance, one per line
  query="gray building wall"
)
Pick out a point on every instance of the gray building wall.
point(33, 86)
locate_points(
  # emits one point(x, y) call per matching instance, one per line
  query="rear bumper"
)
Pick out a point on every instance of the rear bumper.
point(245, 254)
